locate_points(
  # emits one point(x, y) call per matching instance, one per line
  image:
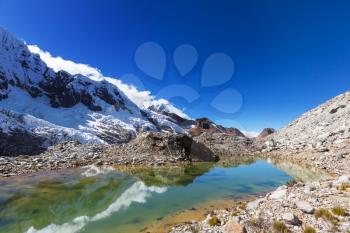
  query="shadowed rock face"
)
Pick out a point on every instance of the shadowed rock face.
point(150, 149)
point(266, 132)
point(59, 106)
point(20, 142)
point(180, 147)
point(205, 125)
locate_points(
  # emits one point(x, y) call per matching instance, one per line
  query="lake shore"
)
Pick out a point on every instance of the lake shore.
point(321, 205)
point(149, 149)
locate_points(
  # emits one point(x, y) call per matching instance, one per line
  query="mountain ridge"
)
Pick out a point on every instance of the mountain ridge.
point(96, 109)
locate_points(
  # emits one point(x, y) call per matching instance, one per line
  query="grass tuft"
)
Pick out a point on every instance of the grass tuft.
point(291, 183)
point(326, 215)
point(280, 227)
point(214, 221)
point(309, 229)
point(344, 187)
point(339, 211)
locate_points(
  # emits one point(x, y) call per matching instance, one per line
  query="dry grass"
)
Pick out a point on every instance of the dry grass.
point(279, 227)
point(214, 221)
point(344, 187)
point(339, 211)
point(309, 229)
point(326, 215)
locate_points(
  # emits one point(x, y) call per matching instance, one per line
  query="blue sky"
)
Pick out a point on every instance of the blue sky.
point(289, 56)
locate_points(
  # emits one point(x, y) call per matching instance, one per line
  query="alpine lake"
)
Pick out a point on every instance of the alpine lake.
point(134, 199)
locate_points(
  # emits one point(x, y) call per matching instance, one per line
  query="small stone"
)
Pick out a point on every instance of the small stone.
point(279, 194)
point(291, 219)
point(254, 204)
point(342, 180)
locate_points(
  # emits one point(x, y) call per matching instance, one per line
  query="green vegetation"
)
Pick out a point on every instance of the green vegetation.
point(280, 227)
point(309, 229)
point(326, 215)
point(291, 183)
point(236, 212)
point(214, 221)
point(339, 211)
point(344, 187)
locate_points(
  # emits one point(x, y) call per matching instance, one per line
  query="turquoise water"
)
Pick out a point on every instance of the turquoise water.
point(105, 200)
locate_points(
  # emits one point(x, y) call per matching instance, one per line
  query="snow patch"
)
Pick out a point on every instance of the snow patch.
point(143, 99)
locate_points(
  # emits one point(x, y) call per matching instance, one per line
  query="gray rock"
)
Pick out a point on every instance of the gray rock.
point(305, 206)
point(279, 194)
point(344, 179)
point(291, 219)
point(254, 204)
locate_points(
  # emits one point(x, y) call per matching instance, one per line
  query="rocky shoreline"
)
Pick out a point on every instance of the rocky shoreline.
point(322, 206)
point(308, 207)
point(294, 208)
point(318, 139)
point(317, 206)
point(149, 149)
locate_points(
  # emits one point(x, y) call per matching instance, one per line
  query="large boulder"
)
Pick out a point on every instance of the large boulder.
point(180, 147)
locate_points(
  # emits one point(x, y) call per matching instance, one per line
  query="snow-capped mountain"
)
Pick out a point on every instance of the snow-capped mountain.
point(51, 105)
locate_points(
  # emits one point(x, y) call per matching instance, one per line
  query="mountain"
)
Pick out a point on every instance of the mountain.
point(319, 129)
point(46, 107)
point(204, 125)
point(266, 132)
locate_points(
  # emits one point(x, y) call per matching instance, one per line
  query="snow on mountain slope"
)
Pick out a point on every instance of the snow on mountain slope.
point(64, 106)
point(143, 99)
point(164, 106)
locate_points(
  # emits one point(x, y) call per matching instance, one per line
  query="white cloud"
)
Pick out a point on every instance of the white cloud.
point(140, 98)
point(58, 63)
point(250, 134)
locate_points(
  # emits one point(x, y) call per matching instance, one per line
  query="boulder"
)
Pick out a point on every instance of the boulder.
point(254, 204)
point(305, 206)
point(279, 194)
point(291, 219)
point(233, 226)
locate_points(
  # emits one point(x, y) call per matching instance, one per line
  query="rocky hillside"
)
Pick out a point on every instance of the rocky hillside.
point(41, 107)
point(319, 129)
point(318, 140)
point(148, 149)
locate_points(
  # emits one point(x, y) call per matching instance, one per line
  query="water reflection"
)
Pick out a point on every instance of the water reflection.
point(105, 200)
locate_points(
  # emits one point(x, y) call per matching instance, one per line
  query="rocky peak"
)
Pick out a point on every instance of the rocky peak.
point(206, 125)
point(61, 106)
point(266, 132)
